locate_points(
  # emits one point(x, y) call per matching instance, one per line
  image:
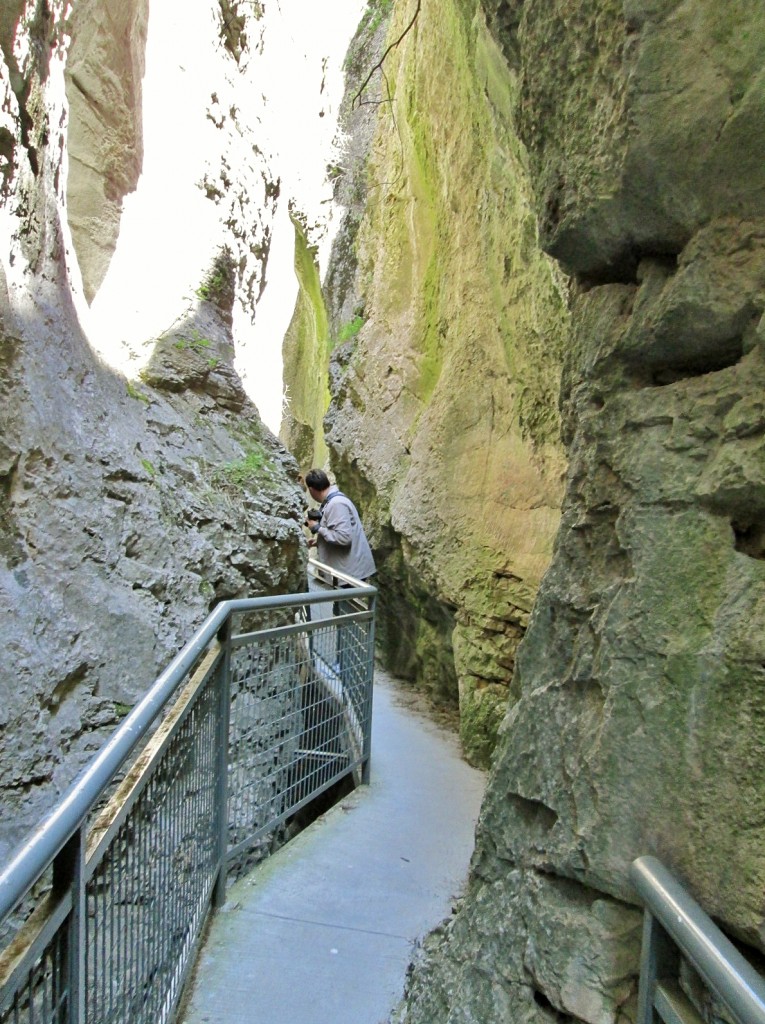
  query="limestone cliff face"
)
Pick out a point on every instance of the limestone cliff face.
point(306, 360)
point(444, 415)
point(104, 68)
point(327, 312)
point(640, 720)
point(129, 508)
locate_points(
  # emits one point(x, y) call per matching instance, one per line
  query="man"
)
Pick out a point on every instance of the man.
point(342, 543)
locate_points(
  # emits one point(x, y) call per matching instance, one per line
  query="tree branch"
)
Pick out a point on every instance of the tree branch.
point(379, 64)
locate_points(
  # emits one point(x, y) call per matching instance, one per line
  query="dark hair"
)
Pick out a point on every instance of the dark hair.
point(317, 479)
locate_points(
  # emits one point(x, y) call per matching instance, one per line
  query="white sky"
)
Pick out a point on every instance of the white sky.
point(170, 230)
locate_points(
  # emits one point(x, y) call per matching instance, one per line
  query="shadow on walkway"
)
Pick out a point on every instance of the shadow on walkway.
point(323, 931)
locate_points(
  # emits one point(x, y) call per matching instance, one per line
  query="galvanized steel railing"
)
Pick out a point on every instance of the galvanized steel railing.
point(113, 889)
point(676, 929)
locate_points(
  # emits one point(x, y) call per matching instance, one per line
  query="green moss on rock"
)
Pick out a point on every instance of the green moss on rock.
point(447, 407)
point(306, 359)
point(482, 709)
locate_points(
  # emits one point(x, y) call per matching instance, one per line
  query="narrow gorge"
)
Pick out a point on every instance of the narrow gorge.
point(528, 340)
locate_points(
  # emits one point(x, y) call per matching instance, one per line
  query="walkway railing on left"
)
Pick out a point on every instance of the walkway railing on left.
point(265, 708)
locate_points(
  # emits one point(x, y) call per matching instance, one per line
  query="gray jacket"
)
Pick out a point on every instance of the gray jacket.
point(342, 543)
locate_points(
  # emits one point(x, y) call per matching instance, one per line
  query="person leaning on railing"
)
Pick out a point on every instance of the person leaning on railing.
point(337, 533)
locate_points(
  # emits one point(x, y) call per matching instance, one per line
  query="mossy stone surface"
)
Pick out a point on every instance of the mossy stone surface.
point(635, 724)
point(444, 420)
point(306, 360)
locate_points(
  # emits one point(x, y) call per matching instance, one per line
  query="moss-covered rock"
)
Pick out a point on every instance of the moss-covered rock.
point(637, 723)
point(444, 419)
point(644, 120)
point(306, 361)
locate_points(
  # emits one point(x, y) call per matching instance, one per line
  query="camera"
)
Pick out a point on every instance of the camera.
point(313, 518)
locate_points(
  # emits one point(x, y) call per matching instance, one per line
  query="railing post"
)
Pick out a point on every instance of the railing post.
point(366, 768)
point(69, 876)
point(658, 959)
point(221, 798)
point(697, 938)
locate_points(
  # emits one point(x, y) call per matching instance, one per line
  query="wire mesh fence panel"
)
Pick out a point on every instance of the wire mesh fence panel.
point(43, 998)
point(102, 922)
point(296, 726)
point(264, 734)
point(148, 894)
point(356, 657)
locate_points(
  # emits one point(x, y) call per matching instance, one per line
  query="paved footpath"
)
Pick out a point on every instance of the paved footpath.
point(323, 931)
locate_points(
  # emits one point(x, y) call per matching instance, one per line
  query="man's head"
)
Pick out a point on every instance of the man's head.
point(317, 482)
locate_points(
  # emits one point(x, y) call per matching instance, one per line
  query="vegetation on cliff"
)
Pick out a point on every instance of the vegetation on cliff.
point(306, 358)
point(444, 417)
point(638, 726)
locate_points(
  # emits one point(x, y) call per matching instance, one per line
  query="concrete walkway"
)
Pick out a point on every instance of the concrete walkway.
point(323, 931)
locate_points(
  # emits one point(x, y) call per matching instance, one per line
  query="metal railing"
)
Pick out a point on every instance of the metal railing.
point(267, 706)
point(677, 933)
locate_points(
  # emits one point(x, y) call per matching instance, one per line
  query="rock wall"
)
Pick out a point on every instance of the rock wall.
point(444, 423)
point(640, 722)
point(104, 69)
point(129, 508)
point(306, 359)
point(329, 311)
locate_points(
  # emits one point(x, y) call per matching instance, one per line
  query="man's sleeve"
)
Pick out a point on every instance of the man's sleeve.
point(336, 524)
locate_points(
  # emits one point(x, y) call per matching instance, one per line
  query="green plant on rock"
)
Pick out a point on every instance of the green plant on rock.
point(375, 14)
point(249, 433)
point(350, 330)
point(254, 467)
point(209, 288)
point(196, 342)
point(148, 466)
point(133, 392)
point(219, 281)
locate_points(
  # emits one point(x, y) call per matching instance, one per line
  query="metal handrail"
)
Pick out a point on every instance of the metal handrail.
point(238, 734)
point(714, 956)
point(32, 857)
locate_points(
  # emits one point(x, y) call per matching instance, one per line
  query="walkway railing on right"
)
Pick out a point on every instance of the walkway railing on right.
point(677, 934)
point(267, 706)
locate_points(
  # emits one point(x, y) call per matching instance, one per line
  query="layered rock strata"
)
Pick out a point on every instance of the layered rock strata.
point(640, 722)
